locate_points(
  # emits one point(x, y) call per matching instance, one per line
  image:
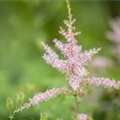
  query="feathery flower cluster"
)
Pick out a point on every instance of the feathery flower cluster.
point(74, 66)
point(114, 36)
point(76, 58)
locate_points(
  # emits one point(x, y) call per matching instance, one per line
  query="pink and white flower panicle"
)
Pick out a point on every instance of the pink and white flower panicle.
point(74, 66)
point(76, 58)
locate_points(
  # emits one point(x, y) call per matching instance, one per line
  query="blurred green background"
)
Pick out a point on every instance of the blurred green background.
point(22, 25)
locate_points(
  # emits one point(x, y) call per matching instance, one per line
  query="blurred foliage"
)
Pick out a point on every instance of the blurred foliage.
point(43, 117)
point(22, 70)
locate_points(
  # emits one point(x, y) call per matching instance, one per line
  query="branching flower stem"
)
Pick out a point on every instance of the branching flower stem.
point(74, 66)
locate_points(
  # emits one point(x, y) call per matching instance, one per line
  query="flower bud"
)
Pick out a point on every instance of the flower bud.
point(9, 104)
point(20, 98)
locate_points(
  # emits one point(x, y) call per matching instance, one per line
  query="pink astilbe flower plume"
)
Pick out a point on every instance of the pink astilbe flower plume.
point(73, 66)
point(76, 58)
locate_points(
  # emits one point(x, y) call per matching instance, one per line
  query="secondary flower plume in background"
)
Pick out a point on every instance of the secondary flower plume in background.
point(101, 64)
point(114, 35)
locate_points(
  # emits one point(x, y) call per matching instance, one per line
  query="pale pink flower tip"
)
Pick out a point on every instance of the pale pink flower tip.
point(82, 117)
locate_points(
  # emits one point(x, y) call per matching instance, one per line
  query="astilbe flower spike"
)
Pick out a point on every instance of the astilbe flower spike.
point(74, 66)
point(76, 58)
